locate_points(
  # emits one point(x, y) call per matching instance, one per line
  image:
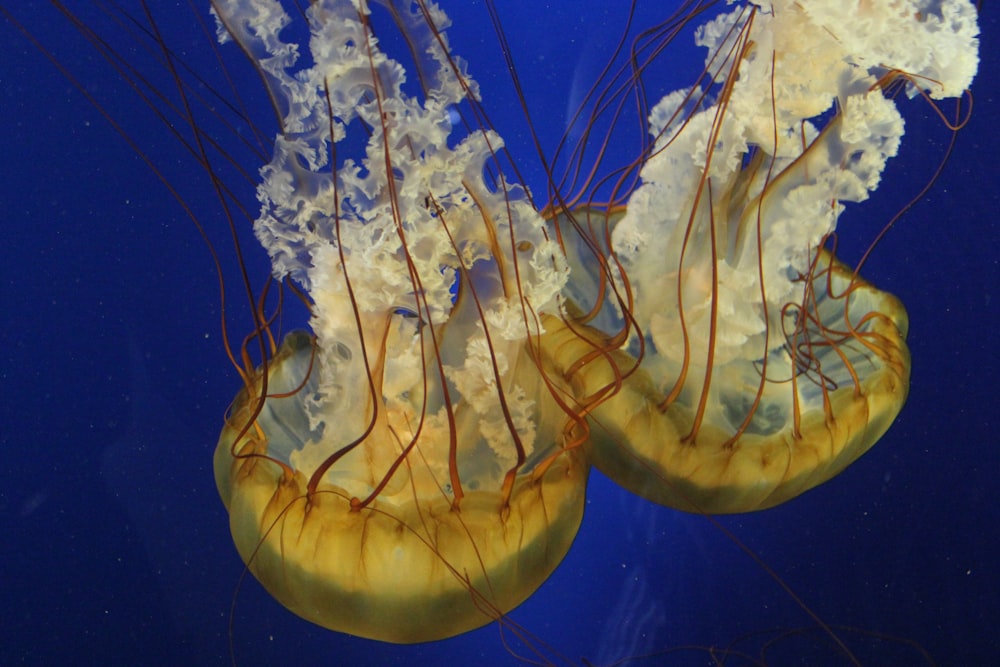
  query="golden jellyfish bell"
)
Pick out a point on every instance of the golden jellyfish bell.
point(735, 364)
point(410, 473)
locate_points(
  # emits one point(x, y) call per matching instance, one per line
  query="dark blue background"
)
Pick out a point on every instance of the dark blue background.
point(115, 549)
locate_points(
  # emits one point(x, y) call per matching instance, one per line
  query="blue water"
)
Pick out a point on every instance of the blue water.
point(115, 549)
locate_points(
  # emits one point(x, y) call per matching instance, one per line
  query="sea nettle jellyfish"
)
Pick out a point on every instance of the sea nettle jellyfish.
point(754, 365)
point(417, 467)
point(413, 471)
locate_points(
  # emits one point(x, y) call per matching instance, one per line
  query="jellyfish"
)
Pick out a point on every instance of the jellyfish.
point(410, 470)
point(416, 466)
point(752, 365)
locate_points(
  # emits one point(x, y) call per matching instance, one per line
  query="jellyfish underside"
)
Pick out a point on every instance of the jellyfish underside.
point(829, 394)
point(417, 467)
point(407, 568)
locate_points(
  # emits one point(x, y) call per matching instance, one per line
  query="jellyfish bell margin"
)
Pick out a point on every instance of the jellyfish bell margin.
point(405, 568)
point(417, 468)
point(843, 384)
